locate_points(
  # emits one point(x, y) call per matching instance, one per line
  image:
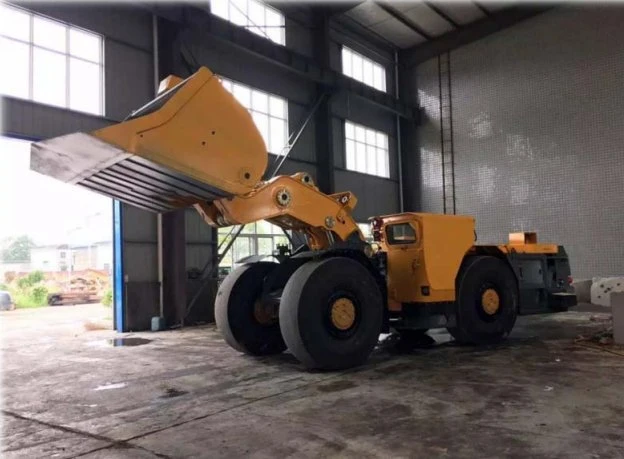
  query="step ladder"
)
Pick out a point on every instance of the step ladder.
point(446, 134)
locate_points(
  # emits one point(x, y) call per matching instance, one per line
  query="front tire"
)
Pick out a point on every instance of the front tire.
point(244, 323)
point(487, 301)
point(331, 313)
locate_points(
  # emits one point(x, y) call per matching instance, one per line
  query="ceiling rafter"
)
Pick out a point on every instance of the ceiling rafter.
point(483, 9)
point(405, 21)
point(442, 14)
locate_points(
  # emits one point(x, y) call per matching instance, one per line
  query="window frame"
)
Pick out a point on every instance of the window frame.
point(66, 55)
point(260, 30)
point(364, 147)
point(353, 55)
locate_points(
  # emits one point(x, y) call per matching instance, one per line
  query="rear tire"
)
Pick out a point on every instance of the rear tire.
point(331, 313)
point(487, 301)
point(235, 312)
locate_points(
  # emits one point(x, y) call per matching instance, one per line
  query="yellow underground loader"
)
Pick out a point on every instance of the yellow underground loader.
point(328, 302)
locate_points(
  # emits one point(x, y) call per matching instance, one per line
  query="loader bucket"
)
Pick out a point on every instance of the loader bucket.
point(193, 143)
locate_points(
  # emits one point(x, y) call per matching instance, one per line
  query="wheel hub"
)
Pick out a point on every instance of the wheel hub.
point(264, 314)
point(490, 301)
point(343, 314)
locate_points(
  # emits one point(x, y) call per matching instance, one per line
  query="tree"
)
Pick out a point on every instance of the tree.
point(17, 250)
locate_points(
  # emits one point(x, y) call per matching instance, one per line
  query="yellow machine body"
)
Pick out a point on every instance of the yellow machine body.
point(425, 252)
point(424, 257)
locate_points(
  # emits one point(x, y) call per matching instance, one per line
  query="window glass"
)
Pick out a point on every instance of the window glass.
point(402, 233)
point(14, 23)
point(260, 102)
point(255, 16)
point(16, 82)
point(242, 94)
point(350, 154)
point(264, 227)
point(360, 157)
point(358, 73)
point(277, 107)
point(51, 62)
point(238, 12)
point(50, 34)
point(366, 150)
point(85, 45)
point(368, 73)
point(84, 92)
point(371, 160)
point(363, 69)
point(262, 123)
point(49, 77)
point(277, 135)
point(220, 8)
point(265, 246)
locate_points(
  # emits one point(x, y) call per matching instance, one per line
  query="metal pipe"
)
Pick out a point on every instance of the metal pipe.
point(299, 132)
point(398, 132)
point(159, 222)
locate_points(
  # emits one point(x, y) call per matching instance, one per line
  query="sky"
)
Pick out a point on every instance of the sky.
point(49, 211)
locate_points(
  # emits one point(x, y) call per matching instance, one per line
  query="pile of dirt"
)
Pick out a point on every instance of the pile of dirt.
point(90, 281)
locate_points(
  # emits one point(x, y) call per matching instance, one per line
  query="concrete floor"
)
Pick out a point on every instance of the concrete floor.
point(186, 394)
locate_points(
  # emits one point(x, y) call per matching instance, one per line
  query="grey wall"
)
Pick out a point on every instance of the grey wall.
point(199, 240)
point(539, 132)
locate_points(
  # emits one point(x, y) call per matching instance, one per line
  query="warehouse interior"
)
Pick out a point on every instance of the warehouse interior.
point(505, 111)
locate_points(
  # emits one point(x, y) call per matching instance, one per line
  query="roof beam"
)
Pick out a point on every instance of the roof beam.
point(403, 20)
point(482, 8)
point(442, 14)
point(475, 31)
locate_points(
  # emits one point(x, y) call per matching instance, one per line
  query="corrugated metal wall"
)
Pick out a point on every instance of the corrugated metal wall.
point(538, 134)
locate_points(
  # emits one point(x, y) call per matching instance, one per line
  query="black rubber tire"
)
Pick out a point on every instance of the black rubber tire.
point(304, 312)
point(473, 325)
point(234, 312)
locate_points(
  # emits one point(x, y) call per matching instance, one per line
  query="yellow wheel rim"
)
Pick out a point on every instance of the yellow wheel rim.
point(343, 313)
point(490, 302)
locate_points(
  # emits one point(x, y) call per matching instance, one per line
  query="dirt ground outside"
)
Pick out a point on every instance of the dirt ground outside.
point(46, 323)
